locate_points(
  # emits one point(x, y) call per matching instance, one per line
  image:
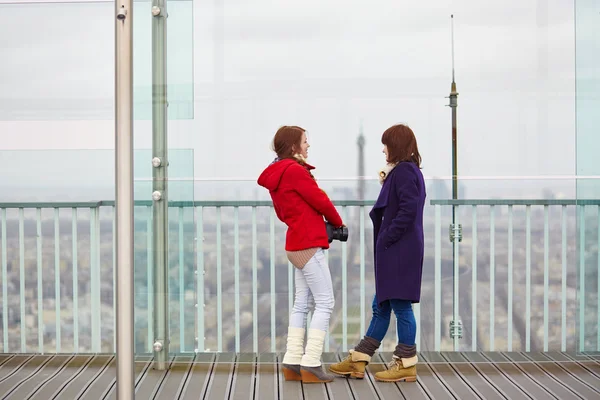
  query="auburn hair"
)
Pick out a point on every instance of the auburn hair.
point(287, 141)
point(401, 145)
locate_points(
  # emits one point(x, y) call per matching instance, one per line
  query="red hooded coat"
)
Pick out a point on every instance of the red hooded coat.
point(300, 204)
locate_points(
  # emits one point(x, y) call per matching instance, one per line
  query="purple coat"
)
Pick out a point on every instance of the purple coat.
point(397, 218)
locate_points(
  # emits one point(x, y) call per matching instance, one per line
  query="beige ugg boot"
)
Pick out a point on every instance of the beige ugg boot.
point(310, 366)
point(293, 355)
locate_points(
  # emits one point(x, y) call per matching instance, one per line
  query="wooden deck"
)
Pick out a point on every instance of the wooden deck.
point(443, 375)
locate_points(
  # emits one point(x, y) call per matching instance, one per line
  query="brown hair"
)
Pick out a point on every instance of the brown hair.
point(285, 139)
point(401, 144)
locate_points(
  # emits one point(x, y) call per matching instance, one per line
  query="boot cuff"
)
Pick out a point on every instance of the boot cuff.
point(409, 362)
point(296, 332)
point(358, 356)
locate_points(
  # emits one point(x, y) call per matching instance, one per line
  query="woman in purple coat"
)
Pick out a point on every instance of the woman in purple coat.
point(397, 218)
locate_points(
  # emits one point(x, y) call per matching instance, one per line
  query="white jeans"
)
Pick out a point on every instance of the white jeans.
point(313, 282)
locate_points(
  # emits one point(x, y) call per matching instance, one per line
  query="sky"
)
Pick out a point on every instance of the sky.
point(238, 70)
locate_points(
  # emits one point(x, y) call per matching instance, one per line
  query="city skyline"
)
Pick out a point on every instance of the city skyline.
point(264, 292)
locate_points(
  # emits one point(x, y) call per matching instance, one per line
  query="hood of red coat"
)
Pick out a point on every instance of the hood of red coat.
point(271, 176)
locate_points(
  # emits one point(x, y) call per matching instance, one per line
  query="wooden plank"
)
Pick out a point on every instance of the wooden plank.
point(196, 385)
point(515, 356)
point(4, 357)
point(242, 377)
point(431, 357)
point(496, 358)
point(26, 372)
point(141, 364)
point(538, 375)
point(576, 356)
point(558, 356)
point(221, 376)
point(41, 376)
point(361, 388)
point(451, 379)
point(409, 390)
point(508, 387)
point(316, 391)
point(571, 374)
point(13, 365)
point(471, 376)
point(75, 386)
point(433, 384)
point(100, 385)
point(533, 356)
point(475, 357)
point(176, 377)
point(340, 387)
point(151, 380)
point(242, 387)
point(62, 378)
point(288, 389)
point(593, 367)
point(512, 372)
point(594, 355)
point(267, 382)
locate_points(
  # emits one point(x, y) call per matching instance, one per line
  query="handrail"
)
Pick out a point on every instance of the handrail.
point(148, 203)
point(268, 203)
point(515, 202)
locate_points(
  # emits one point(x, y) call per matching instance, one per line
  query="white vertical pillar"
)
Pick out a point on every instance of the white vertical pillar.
point(124, 196)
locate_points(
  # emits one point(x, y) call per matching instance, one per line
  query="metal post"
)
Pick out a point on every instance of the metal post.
point(455, 228)
point(160, 209)
point(124, 196)
point(361, 164)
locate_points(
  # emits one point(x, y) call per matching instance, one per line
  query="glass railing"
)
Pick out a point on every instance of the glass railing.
point(71, 77)
point(514, 281)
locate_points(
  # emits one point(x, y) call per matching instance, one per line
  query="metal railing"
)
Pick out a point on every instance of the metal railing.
point(583, 258)
point(230, 280)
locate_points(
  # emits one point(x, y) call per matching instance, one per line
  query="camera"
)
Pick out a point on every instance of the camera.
point(334, 233)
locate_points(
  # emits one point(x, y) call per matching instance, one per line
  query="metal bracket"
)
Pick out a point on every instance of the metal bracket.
point(455, 231)
point(122, 13)
point(456, 329)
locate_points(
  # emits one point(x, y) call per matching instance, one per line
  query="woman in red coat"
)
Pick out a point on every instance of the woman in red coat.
point(301, 205)
point(397, 218)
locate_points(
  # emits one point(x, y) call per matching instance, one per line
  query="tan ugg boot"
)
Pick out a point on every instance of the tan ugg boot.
point(293, 355)
point(353, 366)
point(400, 369)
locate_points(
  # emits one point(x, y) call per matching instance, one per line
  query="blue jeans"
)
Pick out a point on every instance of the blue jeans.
point(405, 320)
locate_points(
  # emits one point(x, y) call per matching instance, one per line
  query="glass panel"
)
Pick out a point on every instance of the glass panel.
point(587, 31)
point(181, 229)
point(58, 259)
point(524, 249)
point(181, 253)
point(71, 76)
point(180, 59)
point(366, 67)
point(80, 240)
point(516, 281)
point(327, 70)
